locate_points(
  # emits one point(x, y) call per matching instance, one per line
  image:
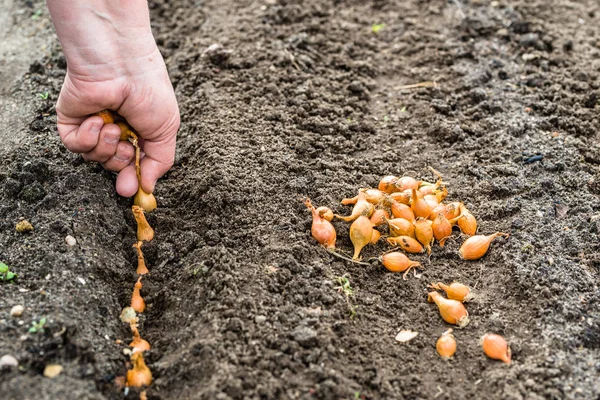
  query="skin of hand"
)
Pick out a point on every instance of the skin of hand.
point(113, 63)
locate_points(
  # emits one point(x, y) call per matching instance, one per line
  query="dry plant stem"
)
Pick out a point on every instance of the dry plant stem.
point(417, 85)
point(343, 257)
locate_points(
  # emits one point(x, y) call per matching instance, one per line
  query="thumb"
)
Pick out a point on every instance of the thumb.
point(159, 155)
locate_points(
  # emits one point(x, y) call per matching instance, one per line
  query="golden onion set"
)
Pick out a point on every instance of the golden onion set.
point(416, 218)
point(139, 375)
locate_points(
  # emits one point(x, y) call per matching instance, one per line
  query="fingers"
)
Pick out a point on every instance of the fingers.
point(158, 159)
point(123, 157)
point(81, 137)
point(106, 146)
point(127, 183)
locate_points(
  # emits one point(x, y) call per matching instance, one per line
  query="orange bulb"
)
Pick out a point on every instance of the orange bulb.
point(401, 227)
point(442, 229)
point(454, 291)
point(137, 302)
point(406, 243)
point(362, 207)
point(424, 233)
point(451, 311)
point(376, 236)
point(140, 374)
point(446, 345)
point(325, 213)
point(141, 268)
point(495, 347)
point(322, 230)
point(387, 184)
point(419, 206)
point(144, 230)
point(398, 262)
point(476, 246)
point(379, 217)
point(361, 234)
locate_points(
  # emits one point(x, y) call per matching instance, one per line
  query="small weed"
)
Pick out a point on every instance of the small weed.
point(38, 326)
point(403, 109)
point(377, 27)
point(344, 287)
point(5, 273)
point(43, 95)
point(386, 118)
point(37, 14)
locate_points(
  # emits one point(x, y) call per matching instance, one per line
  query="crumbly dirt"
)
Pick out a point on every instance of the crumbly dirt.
point(304, 100)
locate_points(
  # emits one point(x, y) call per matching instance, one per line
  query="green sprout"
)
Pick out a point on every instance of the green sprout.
point(344, 287)
point(38, 326)
point(377, 27)
point(43, 95)
point(5, 273)
point(37, 14)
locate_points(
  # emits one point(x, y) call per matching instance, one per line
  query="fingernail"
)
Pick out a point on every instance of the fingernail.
point(112, 138)
point(120, 157)
point(96, 128)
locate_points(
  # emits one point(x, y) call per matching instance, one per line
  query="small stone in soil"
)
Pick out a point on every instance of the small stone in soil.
point(23, 226)
point(8, 361)
point(305, 336)
point(259, 319)
point(70, 240)
point(17, 311)
point(52, 370)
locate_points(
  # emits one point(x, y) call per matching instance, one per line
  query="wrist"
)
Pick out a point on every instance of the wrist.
point(104, 38)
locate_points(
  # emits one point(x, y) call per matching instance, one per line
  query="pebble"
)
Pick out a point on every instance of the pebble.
point(8, 361)
point(305, 336)
point(52, 370)
point(70, 240)
point(17, 311)
point(23, 226)
point(260, 319)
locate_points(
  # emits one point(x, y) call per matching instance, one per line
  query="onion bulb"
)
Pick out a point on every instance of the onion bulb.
point(476, 246)
point(140, 374)
point(401, 227)
point(442, 229)
point(419, 206)
point(322, 230)
point(495, 347)
point(376, 236)
point(387, 184)
point(400, 210)
point(325, 213)
point(379, 217)
point(401, 197)
point(454, 291)
point(452, 311)
point(138, 343)
point(137, 302)
point(362, 207)
point(452, 211)
point(126, 131)
point(141, 268)
point(107, 116)
point(466, 221)
point(446, 345)
point(374, 196)
point(407, 182)
point(361, 233)
point(424, 233)
point(145, 200)
point(144, 231)
point(398, 262)
point(406, 243)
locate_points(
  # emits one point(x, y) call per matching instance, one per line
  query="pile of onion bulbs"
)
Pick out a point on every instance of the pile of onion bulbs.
point(412, 216)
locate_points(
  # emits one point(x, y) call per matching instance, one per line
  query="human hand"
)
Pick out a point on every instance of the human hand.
point(119, 69)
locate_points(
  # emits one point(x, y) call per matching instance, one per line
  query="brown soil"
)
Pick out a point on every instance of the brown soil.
point(242, 303)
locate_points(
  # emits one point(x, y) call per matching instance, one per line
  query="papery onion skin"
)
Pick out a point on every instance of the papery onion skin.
point(451, 311)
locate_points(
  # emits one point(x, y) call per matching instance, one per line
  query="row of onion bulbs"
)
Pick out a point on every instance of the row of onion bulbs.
point(416, 216)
